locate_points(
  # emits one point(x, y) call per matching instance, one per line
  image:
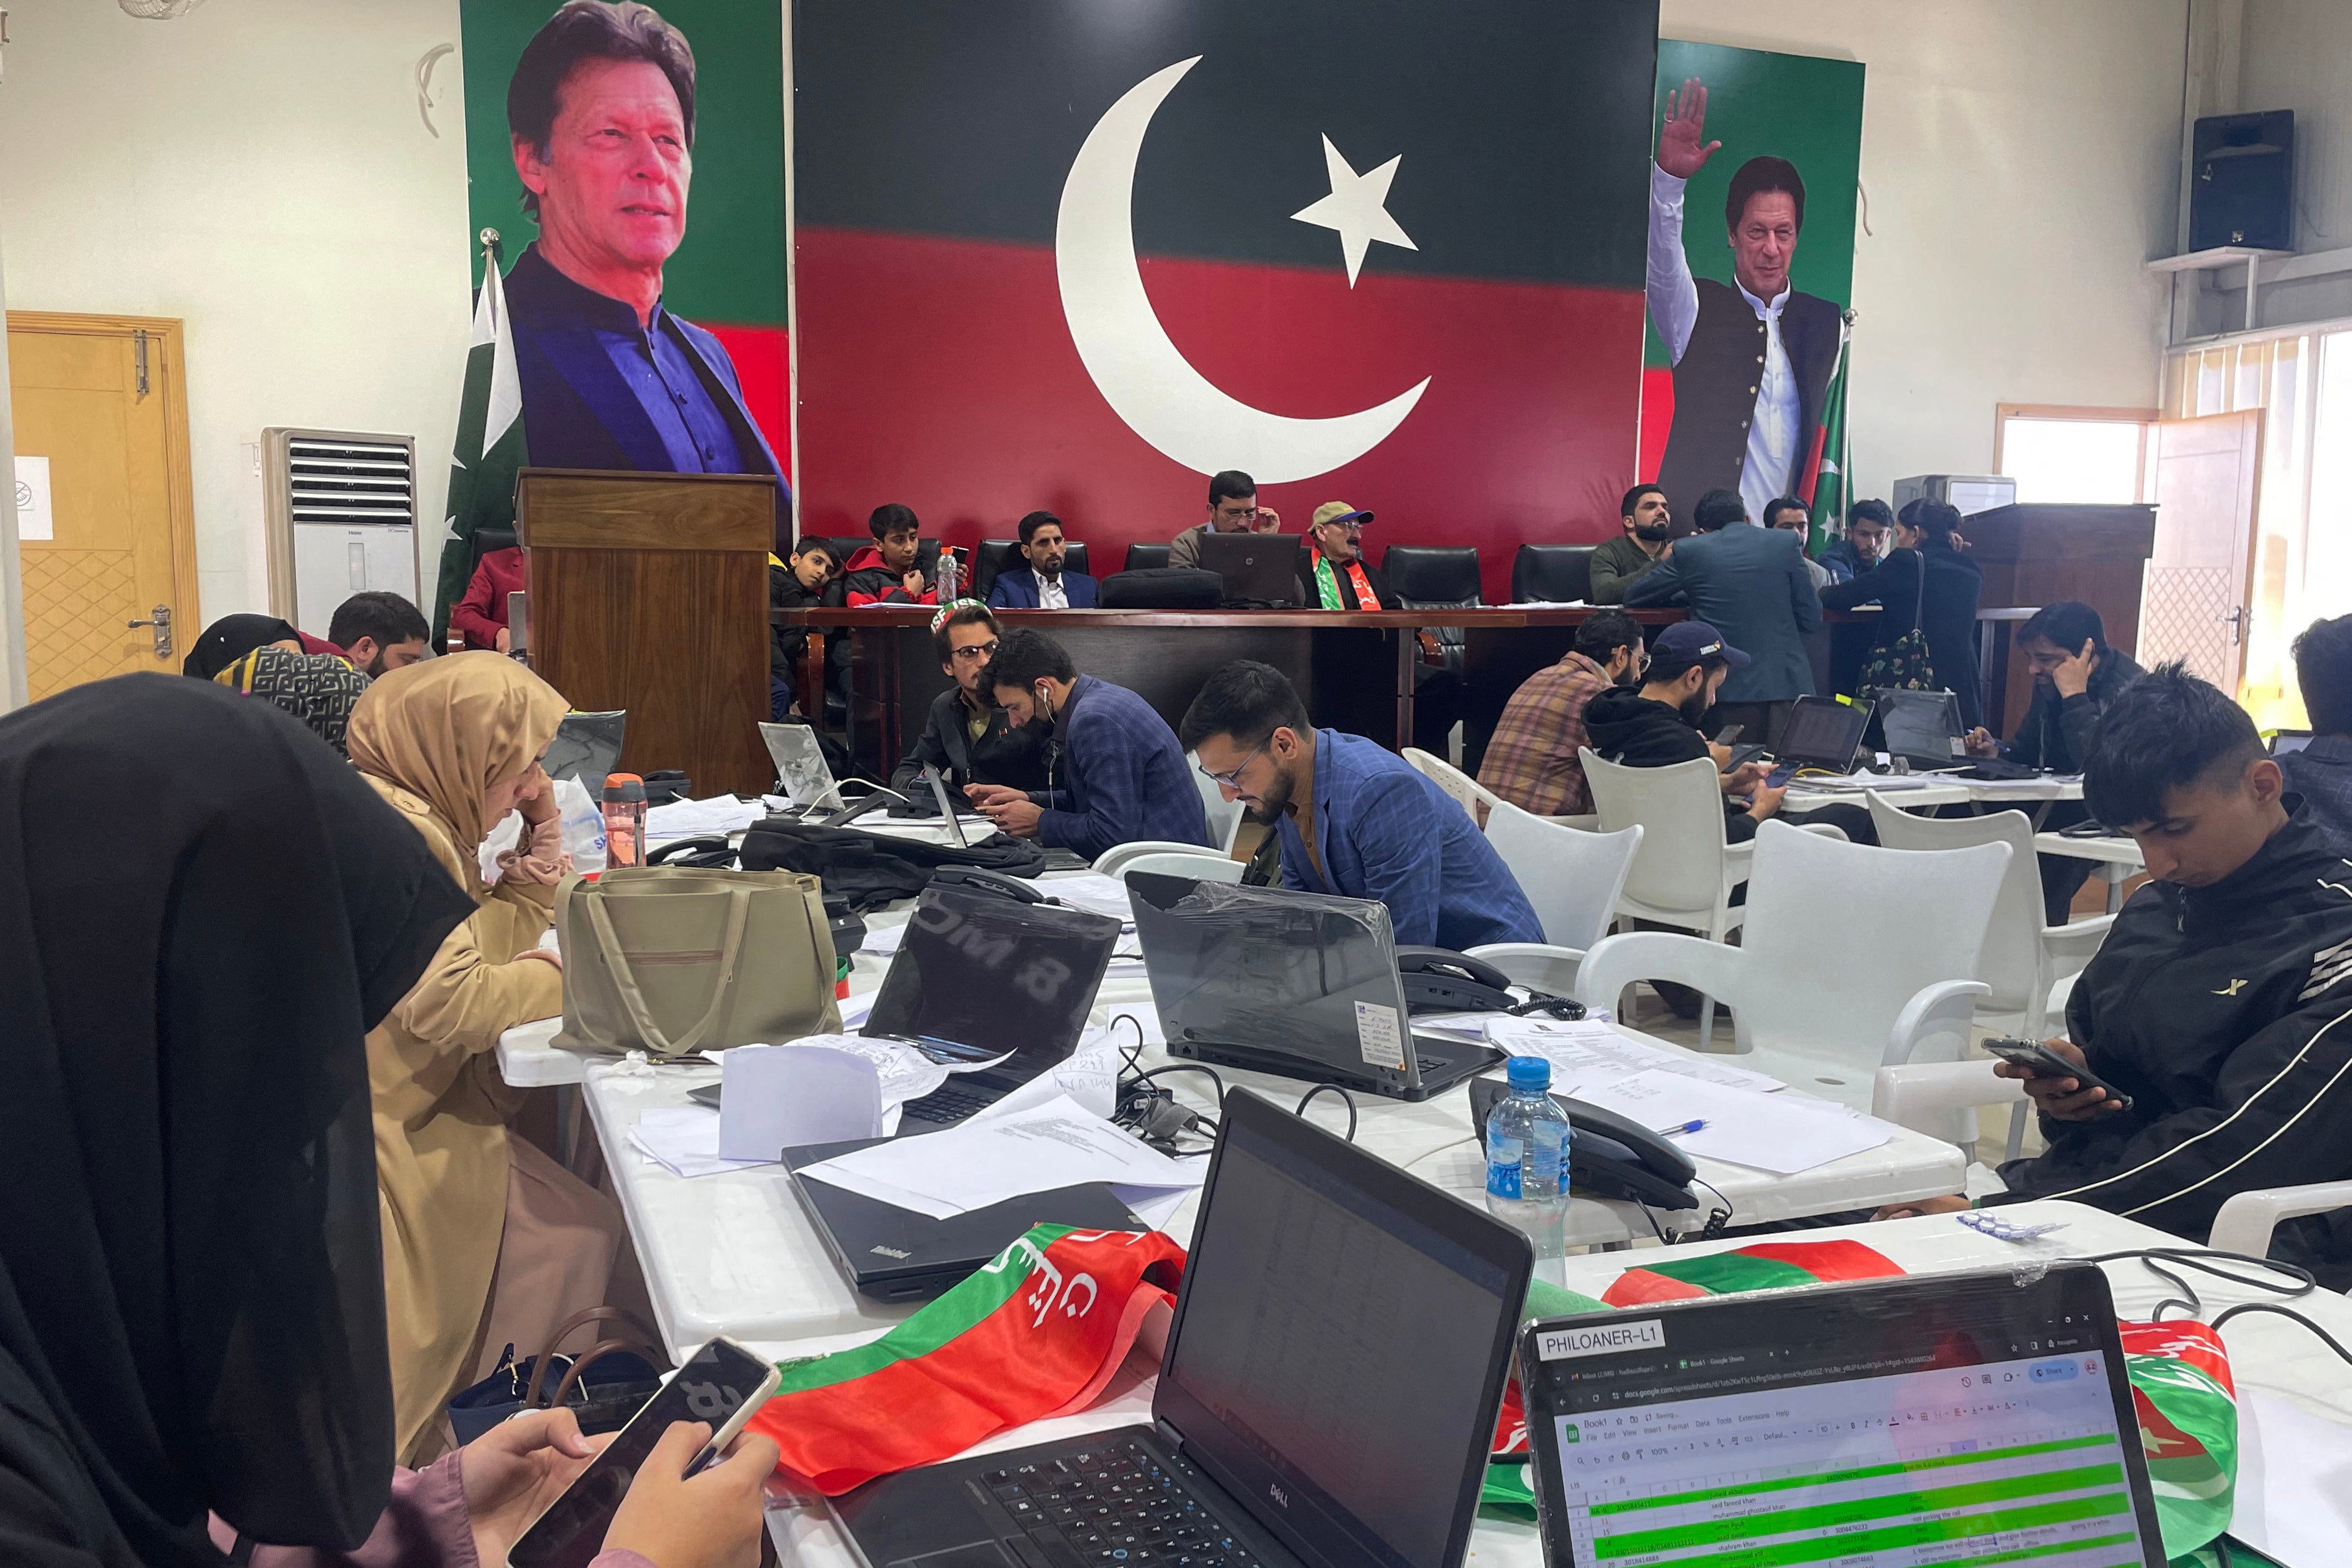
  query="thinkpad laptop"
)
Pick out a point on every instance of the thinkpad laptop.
point(1298, 984)
point(1923, 728)
point(977, 976)
point(1821, 733)
point(1260, 570)
point(894, 1254)
point(1328, 1395)
point(1968, 1418)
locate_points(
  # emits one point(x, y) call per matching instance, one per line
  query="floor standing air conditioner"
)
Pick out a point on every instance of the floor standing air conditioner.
point(339, 508)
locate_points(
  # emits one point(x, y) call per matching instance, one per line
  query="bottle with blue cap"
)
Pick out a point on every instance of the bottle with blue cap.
point(1526, 1160)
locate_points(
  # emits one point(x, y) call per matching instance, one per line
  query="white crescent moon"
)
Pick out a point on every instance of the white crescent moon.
point(1141, 373)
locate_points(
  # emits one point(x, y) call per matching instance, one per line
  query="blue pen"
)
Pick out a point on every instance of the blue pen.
point(1679, 1128)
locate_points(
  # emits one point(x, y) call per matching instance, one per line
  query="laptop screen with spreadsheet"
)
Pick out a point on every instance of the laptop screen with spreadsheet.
point(1915, 1421)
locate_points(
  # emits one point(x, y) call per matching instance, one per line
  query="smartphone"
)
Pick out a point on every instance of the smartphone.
point(1743, 755)
point(1728, 734)
point(722, 1383)
point(2045, 1062)
point(1780, 775)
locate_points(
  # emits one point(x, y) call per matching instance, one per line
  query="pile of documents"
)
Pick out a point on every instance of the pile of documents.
point(686, 819)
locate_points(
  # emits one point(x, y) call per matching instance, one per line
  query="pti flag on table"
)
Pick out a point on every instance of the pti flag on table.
point(1056, 251)
point(489, 448)
point(1036, 1334)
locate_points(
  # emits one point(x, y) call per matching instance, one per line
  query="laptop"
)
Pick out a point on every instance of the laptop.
point(586, 747)
point(1823, 732)
point(1301, 985)
point(1937, 1418)
point(1261, 570)
point(1923, 727)
point(977, 976)
point(801, 771)
point(2287, 742)
point(1327, 1396)
point(894, 1254)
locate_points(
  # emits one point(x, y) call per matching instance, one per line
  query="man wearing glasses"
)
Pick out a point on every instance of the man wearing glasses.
point(1354, 819)
point(968, 740)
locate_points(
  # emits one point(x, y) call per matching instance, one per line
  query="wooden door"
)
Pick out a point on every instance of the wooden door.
point(100, 399)
point(2201, 577)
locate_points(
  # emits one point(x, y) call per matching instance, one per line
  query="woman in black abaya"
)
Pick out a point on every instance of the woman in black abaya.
point(191, 1315)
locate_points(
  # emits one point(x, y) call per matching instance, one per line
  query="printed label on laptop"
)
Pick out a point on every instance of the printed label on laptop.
point(1601, 1339)
point(1379, 1035)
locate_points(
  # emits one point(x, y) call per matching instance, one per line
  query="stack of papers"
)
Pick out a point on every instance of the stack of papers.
point(1783, 1134)
point(685, 818)
point(685, 1140)
point(1850, 782)
point(1584, 1053)
point(999, 1155)
point(1094, 892)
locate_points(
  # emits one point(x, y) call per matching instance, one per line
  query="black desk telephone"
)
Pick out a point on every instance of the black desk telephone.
point(1440, 980)
point(1609, 1156)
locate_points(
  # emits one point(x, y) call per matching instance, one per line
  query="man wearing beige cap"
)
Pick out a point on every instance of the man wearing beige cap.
point(1333, 572)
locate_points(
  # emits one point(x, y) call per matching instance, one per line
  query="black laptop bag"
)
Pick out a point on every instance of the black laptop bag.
point(871, 869)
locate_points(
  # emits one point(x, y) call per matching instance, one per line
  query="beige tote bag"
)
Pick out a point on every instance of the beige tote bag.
point(672, 961)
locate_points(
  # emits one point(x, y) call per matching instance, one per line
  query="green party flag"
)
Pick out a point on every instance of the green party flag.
point(489, 446)
point(1831, 492)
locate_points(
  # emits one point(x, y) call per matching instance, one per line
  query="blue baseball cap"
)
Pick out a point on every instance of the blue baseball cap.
point(1688, 641)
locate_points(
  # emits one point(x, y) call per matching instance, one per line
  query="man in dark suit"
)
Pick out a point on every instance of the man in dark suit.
point(600, 113)
point(1752, 584)
point(1042, 584)
point(1752, 359)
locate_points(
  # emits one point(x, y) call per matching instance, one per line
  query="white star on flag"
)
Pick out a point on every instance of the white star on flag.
point(1357, 208)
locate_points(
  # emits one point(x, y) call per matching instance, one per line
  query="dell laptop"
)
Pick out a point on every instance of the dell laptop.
point(978, 976)
point(1328, 1395)
point(1302, 985)
point(1261, 570)
point(894, 1254)
point(1923, 728)
point(1937, 1418)
point(1821, 733)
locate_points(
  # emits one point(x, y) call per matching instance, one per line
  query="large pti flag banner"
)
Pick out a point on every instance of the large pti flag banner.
point(1076, 256)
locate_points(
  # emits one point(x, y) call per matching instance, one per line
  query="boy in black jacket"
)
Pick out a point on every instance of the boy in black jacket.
point(799, 584)
point(2221, 1000)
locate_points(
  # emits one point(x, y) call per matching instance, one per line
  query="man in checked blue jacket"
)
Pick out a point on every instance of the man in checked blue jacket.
point(1114, 772)
point(1354, 818)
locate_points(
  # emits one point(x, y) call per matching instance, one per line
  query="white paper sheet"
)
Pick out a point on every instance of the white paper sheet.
point(1783, 1134)
point(2294, 1481)
point(857, 1008)
point(811, 1091)
point(685, 818)
point(883, 941)
point(1848, 783)
point(1093, 892)
point(1583, 1053)
point(685, 1139)
point(991, 1159)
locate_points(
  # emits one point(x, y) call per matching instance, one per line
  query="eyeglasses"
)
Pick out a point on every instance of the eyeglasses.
point(1232, 780)
point(977, 652)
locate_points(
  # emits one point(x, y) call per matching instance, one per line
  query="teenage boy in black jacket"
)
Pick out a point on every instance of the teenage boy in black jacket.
point(799, 584)
point(2221, 1000)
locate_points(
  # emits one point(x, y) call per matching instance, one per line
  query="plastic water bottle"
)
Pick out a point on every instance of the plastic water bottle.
point(1526, 1162)
point(949, 573)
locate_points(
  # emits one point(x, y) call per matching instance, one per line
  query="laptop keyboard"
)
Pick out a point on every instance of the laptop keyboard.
point(1113, 1507)
point(947, 1105)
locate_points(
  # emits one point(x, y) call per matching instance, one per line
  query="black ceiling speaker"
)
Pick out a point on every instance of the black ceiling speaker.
point(2242, 191)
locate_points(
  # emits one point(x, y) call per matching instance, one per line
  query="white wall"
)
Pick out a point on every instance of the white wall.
point(2293, 54)
point(2020, 159)
point(257, 169)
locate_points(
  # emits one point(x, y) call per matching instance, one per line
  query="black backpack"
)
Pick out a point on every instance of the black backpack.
point(1161, 588)
point(871, 869)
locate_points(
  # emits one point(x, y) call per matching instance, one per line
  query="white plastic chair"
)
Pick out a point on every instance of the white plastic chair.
point(1941, 1099)
point(2245, 1219)
point(1113, 859)
point(1476, 797)
point(2024, 957)
point(1224, 816)
point(1809, 1010)
point(1572, 879)
point(1197, 864)
point(1538, 966)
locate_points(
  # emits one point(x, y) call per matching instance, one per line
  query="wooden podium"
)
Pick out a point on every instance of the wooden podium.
point(650, 592)
point(2034, 553)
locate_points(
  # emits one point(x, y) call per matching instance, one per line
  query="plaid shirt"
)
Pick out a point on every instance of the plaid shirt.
point(1531, 762)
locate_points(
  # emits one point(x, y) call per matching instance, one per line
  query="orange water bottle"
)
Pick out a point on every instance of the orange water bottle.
point(624, 820)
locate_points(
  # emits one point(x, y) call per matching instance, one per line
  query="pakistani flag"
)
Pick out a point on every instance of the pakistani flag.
point(1830, 497)
point(490, 443)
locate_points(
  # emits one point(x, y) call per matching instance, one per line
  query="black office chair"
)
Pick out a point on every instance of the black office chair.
point(1437, 577)
point(993, 557)
point(1145, 558)
point(1076, 560)
point(487, 539)
point(1556, 574)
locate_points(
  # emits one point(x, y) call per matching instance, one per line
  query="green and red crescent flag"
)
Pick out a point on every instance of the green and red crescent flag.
point(1825, 486)
point(1035, 1334)
point(1765, 1266)
point(489, 448)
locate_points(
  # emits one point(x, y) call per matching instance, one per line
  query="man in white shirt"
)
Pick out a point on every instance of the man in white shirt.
point(1753, 359)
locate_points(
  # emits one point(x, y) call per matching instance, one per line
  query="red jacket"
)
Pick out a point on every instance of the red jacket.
point(866, 582)
point(482, 613)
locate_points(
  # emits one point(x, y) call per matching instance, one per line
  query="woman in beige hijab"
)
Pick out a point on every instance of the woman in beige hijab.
point(486, 1239)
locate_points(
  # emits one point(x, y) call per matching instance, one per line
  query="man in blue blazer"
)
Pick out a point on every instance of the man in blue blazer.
point(1042, 584)
point(1752, 585)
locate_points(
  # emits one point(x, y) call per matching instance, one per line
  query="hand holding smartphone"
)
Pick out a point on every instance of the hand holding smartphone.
point(721, 1385)
point(2044, 1062)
